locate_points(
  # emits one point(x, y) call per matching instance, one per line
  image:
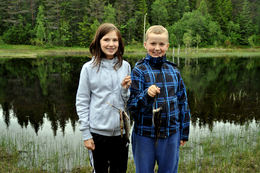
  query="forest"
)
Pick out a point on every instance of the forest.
point(190, 23)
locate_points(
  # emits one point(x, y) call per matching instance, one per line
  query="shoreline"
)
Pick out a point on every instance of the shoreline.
point(27, 51)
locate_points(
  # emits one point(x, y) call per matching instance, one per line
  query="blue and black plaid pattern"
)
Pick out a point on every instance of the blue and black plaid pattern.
point(175, 115)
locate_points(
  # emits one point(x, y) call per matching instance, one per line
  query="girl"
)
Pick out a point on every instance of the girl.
point(104, 81)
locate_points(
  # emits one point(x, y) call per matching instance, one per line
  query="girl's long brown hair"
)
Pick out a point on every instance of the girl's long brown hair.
point(95, 47)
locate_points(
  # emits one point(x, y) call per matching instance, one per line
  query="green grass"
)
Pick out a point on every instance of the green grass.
point(28, 51)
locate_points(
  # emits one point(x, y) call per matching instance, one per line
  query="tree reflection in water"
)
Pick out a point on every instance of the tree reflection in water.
point(219, 90)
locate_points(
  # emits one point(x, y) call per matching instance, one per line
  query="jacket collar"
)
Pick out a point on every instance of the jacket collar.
point(155, 61)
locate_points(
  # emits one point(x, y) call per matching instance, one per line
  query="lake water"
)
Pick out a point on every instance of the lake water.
point(37, 101)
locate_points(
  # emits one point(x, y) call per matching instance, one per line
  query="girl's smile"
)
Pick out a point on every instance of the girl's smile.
point(109, 44)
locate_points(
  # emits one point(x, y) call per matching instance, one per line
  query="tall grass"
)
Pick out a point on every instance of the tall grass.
point(43, 151)
point(225, 148)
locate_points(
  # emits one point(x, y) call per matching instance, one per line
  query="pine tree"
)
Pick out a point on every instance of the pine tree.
point(3, 16)
point(109, 14)
point(245, 22)
point(124, 11)
point(74, 12)
point(203, 8)
point(95, 10)
point(223, 13)
point(139, 15)
point(84, 32)
point(40, 26)
point(159, 13)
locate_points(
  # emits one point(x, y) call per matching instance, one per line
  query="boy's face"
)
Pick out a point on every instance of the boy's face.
point(157, 44)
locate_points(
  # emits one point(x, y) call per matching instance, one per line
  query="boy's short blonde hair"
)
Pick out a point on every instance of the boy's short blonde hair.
point(156, 29)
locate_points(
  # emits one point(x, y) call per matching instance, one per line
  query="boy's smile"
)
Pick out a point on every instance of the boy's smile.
point(157, 44)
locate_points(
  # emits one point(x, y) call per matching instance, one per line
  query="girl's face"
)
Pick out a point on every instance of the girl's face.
point(109, 44)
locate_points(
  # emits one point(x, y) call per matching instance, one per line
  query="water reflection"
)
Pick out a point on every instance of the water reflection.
point(34, 88)
point(219, 90)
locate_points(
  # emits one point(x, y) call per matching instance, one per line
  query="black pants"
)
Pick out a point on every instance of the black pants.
point(110, 152)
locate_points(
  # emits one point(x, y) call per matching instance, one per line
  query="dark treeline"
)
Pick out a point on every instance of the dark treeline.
point(73, 23)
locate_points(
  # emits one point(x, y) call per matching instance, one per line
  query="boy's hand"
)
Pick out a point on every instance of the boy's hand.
point(182, 143)
point(126, 82)
point(153, 90)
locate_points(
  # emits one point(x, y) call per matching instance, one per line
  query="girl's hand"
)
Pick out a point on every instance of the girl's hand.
point(126, 82)
point(89, 144)
point(153, 90)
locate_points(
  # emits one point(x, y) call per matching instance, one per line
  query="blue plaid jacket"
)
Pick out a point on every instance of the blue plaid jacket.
point(175, 114)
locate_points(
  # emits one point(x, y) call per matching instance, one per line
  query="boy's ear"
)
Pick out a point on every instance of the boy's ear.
point(168, 44)
point(145, 45)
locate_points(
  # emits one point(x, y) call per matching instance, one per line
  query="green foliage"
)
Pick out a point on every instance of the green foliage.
point(96, 10)
point(40, 27)
point(124, 11)
point(187, 39)
point(203, 8)
point(61, 23)
point(84, 32)
point(252, 40)
point(223, 13)
point(93, 28)
point(232, 33)
point(195, 23)
point(129, 30)
point(18, 34)
point(197, 40)
point(65, 34)
point(245, 22)
point(159, 13)
point(109, 14)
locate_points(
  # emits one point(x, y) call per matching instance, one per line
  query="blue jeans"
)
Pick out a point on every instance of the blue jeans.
point(165, 152)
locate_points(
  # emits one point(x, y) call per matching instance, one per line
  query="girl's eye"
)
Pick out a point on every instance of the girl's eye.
point(115, 40)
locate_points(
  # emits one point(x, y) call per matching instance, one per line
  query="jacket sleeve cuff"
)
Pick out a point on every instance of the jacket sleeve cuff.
point(148, 99)
point(184, 138)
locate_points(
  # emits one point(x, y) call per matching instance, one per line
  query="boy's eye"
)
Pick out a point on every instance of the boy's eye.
point(162, 44)
point(153, 44)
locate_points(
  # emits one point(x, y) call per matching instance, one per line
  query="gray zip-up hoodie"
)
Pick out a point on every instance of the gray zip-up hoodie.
point(98, 89)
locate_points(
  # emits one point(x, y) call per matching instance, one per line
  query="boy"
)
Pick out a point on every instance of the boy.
point(159, 106)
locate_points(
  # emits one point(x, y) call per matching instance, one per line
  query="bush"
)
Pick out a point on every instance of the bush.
point(17, 35)
point(252, 40)
point(1, 41)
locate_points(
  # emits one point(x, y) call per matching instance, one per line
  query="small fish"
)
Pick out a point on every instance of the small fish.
point(124, 123)
point(156, 119)
point(121, 122)
point(127, 126)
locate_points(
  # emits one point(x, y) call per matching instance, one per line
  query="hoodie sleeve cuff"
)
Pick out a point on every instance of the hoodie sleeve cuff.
point(124, 92)
point(86, 135)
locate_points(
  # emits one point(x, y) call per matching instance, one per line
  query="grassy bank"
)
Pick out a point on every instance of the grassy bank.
point(220, 150)
point(27, 51)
